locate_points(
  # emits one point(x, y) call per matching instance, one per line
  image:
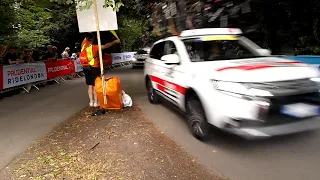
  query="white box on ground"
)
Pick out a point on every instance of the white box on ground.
point(300, 110)
point(86, 18)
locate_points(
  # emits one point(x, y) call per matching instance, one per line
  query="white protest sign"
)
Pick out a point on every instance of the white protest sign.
point(86, 18)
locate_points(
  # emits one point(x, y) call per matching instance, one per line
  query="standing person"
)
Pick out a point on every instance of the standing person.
point(28, 56)
point(11, 57)
point(20, 58)
point(92, 69)
point(55, 53)
point(49, 55)
point(65, 54)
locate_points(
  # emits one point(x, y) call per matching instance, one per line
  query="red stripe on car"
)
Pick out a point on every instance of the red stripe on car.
point(258, 66)
point(290, 62)
point(246, 67)
point(164, 83)
point(161, 88)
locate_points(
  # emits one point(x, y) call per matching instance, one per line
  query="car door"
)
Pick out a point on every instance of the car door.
point(154, 67)
point(172, 76)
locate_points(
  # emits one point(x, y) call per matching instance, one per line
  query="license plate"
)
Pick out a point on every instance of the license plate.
point(300, 110)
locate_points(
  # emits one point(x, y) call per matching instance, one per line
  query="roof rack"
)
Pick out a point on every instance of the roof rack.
point(211, 31)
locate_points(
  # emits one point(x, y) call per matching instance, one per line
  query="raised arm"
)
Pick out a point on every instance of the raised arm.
point(117, 41)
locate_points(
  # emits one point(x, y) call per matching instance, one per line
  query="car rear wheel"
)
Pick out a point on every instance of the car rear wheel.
point(152, 94)
point(197, 121)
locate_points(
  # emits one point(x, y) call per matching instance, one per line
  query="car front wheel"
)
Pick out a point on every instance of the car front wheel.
point(152, 94)
point(197, 121)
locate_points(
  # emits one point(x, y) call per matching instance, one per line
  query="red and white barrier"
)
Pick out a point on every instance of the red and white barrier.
point(17, 75)
point(12, 76)
point(59, 68)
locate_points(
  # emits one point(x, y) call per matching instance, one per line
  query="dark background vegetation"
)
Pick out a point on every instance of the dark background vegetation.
point(285, 26)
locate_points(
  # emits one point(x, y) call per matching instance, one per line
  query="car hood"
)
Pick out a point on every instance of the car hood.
point(264, 69)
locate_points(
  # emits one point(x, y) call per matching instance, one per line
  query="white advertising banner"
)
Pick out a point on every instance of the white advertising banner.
point(86, 18)
point(122, 57)
point(78, 65)
point(17, 75)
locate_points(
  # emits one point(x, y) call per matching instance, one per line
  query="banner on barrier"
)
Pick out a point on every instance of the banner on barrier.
point(78, 65)
point(17, 75)
point(107, 59)
point(122, 57)
point(59, 68)
point(1, 77)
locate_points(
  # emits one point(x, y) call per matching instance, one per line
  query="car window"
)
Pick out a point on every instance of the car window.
point(157, 51)
point(170, 48)
point(141, 51)
point(199, 50)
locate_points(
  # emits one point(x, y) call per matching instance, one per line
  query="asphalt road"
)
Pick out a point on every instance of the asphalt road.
point(294, 157)
point(25, 117)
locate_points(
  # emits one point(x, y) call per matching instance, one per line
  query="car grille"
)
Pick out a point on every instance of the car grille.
point(288, 87)
point(277, 102)
point(274, 117)
point(140, 59)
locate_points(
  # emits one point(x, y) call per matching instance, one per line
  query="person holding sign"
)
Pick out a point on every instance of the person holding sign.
point(89, 58)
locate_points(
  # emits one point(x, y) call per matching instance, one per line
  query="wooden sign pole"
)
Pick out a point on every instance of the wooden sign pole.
point(100, 51)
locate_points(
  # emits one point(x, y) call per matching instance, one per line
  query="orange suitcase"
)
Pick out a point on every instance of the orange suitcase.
point(113, 92)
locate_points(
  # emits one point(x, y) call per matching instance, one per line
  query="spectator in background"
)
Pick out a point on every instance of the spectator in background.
point(74, 56)
point(65, 54)
point(11, 57)
point(55, 52)
point(49, 55)
point(20, 58)
point(27, 56)
point(36, 55)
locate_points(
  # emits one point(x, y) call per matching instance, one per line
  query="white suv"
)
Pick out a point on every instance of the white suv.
point(218, 77)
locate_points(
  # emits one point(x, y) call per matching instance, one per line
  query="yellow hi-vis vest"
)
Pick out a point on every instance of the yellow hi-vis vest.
point(89, 54)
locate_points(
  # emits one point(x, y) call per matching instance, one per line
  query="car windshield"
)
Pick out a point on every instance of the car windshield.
point(141, 51)
point(215, 48)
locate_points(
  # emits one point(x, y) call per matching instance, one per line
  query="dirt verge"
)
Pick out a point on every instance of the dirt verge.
point(120, 145)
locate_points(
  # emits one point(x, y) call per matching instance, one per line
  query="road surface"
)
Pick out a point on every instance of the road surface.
point(291, 157)
point(25, 117)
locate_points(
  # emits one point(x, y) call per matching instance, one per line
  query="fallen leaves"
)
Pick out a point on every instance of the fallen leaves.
point(120, 145)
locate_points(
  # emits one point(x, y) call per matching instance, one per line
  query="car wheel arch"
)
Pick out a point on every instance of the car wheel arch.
point(190, 92)
point(147, 78)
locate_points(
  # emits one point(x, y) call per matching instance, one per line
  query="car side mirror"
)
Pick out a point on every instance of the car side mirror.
point(264, 52)
point(171, 59)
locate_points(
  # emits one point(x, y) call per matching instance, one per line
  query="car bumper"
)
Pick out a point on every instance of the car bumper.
point(276, 130)
point(138, 63)
point(262, 118)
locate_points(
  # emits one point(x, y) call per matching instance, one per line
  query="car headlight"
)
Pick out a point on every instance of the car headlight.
point(317, 79)
point(134, 59)
point(240, 88)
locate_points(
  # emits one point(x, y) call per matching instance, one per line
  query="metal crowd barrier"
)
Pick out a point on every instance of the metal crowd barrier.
point(58, 79)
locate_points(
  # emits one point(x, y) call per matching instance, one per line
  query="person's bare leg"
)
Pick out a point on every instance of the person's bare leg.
point(95, 98)
point(90, 94)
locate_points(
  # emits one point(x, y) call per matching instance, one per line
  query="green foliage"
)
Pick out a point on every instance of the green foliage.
point(115, 4)
point(64, 24)
point(30, 24)
point(7, 18)
point(305, 46)
point(130, 29)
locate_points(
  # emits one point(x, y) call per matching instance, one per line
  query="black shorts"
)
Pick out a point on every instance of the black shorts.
point(91, 73)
